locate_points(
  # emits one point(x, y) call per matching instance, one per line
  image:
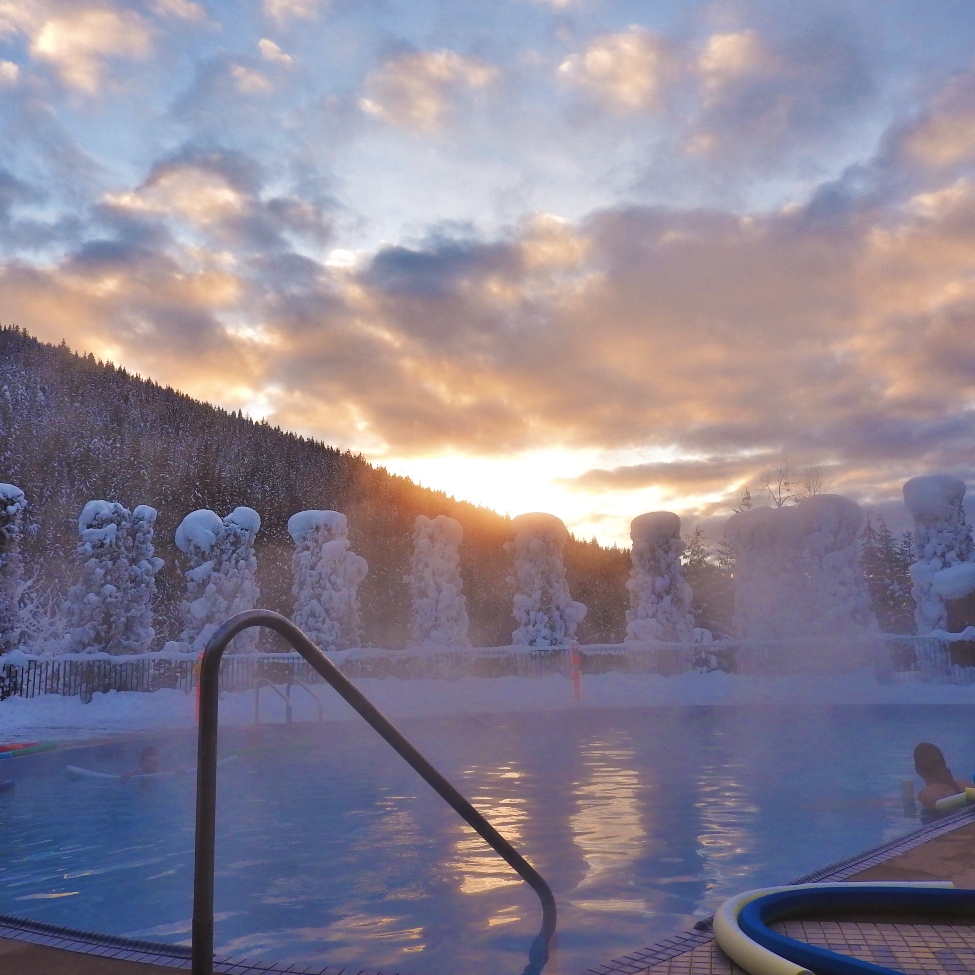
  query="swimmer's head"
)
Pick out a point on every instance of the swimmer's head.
point(929, 763)
point(149, 759)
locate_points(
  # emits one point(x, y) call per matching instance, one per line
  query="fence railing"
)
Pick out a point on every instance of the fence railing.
point(929, 660)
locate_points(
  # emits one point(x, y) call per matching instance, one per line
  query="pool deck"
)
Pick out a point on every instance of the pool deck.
point(944, 850)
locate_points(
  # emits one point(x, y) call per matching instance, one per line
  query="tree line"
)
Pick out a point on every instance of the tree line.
point(73, 429)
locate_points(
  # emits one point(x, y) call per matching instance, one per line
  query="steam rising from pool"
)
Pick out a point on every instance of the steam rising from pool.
point(331, 851)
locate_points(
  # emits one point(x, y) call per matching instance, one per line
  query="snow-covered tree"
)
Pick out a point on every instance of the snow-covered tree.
point(13, 617)
point(327, 575)
point(546, 613)
point(439, 616)
point(943, 547)
point(660, 599)
point(109, 608)
point(764, 565)
point(797, 570)
point(838, 600)
point(709, 575)
point(222, 578)
point(886, 566)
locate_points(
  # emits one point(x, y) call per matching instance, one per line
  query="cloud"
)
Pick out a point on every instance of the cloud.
point(945, 135)
point(631, 70)
point(683, 476)
point(836, 329)
point(414, 91)
point(248, 81)
point(9, 73)
point(77, 43)
point(759, 97)
point(726, 58)
point(284, 11)
point(180, 9)
point(220, 196)
point(271, 52)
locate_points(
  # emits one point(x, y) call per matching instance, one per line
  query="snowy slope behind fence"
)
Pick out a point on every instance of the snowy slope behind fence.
point(82, 675)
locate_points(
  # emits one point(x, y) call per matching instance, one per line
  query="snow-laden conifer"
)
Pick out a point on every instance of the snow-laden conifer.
point(660, 599)
point(546, 614)
point(327, 575)
point(943, 546)
point(798, 571)
point(109, 607)
point(222, 578)
point(439, 610)
point(886, 565)
point(13, 616)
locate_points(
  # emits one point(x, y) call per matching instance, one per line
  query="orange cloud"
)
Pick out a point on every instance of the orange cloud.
point(414, 91)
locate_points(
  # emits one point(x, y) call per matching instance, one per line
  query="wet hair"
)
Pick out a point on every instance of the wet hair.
point(929, 763)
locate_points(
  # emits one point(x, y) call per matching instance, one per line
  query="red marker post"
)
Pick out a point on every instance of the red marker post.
point(196, 676)
point(576, 673)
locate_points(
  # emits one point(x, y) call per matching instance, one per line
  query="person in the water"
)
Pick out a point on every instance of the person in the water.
point(149, 759)
point(939, 783)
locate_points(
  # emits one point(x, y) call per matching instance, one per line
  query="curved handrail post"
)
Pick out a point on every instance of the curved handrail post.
point(206, 782)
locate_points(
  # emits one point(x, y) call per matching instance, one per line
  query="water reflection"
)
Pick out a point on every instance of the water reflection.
point(480, 868)
point(726, 837)
point(607, 825)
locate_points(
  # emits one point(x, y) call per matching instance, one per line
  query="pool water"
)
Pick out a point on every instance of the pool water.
point(331, 850)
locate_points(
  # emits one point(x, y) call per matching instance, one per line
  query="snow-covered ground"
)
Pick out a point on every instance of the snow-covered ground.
point(55, 718)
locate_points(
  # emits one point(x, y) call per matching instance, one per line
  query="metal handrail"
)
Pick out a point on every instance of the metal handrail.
point(206, 783)
point(310, 693)
point(264, 682)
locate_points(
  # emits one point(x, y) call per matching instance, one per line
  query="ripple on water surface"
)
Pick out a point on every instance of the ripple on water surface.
point(331, 850)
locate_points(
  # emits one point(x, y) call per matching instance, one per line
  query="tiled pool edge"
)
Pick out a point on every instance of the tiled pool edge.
point(678, 944)
point(178, 956)
point(152, 952)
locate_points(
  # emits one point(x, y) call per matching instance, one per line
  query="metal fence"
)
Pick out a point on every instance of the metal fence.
point(921, 658)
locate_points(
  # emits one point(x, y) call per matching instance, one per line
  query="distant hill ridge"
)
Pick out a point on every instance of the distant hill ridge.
point(73, 428)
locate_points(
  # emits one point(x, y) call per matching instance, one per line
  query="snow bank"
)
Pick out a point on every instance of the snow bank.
point(439, 608)
point(546, 613)
point(660, 599)
point(327, 576)
point(54, 718)
point(945, 566)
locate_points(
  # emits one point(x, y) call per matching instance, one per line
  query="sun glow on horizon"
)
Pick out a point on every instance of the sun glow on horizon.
point(540, 481)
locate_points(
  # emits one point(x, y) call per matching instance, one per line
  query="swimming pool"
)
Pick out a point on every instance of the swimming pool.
point(331, 850)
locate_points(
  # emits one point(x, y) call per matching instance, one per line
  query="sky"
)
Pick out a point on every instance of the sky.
point(575, 256)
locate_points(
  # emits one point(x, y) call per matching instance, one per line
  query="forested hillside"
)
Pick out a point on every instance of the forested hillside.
point(74, 429)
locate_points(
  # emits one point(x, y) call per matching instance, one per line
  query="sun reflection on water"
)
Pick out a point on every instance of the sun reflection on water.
point(480, 868)
point(607, 825)
point(726, 841)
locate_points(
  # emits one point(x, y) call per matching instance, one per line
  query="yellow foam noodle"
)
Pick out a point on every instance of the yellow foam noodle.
point(953, 803)
point(753, 957)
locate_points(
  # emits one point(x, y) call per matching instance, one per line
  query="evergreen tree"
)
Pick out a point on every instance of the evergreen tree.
point(886, 566)
point(73, 428)
point(710, 578)
point(222, 578)
point(109, 608)
point(439, 616)
point(327, 575)
point(660, 598)
point(13, 617)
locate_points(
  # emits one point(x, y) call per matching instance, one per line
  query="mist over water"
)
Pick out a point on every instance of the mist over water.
point(331, 850)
